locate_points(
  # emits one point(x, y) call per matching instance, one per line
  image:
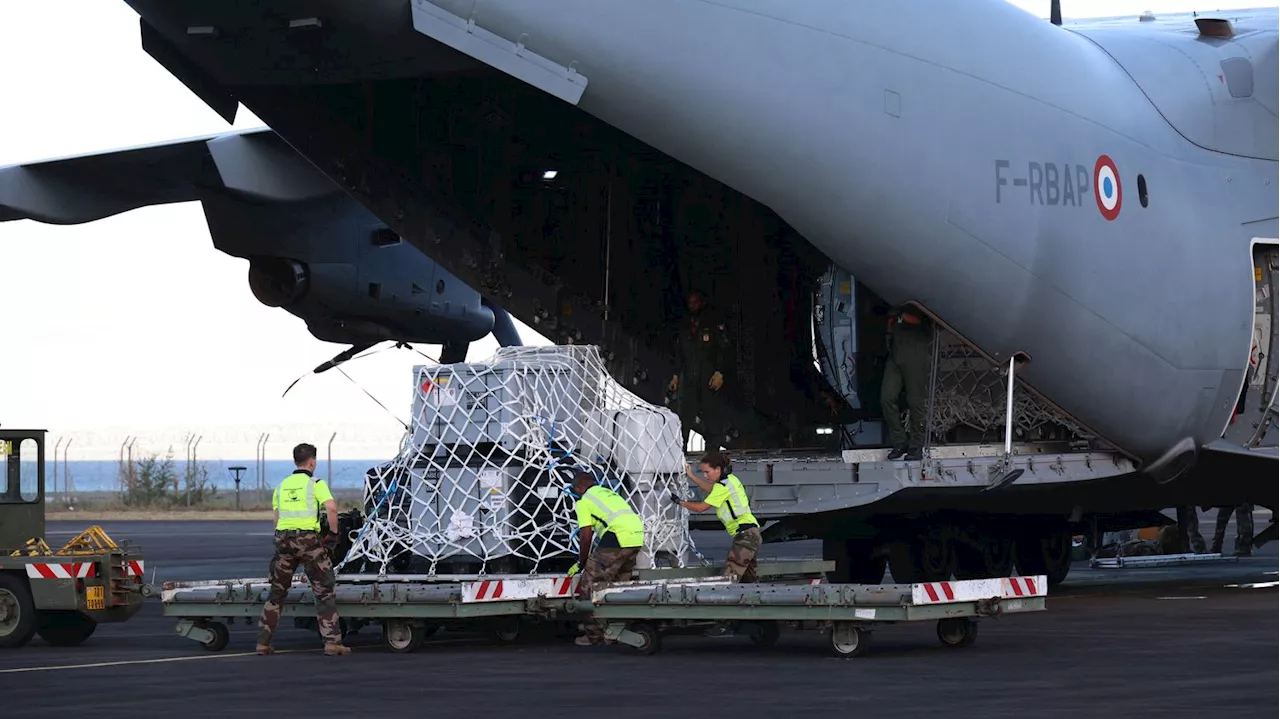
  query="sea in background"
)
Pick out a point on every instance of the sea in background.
point(103, 475)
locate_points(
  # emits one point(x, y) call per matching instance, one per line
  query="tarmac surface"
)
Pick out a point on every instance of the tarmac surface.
point(1181, 641)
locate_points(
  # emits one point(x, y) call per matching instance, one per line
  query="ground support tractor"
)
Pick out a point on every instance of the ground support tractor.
point(64, 594)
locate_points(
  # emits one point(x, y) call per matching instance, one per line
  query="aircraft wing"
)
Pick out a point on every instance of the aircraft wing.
point(83, 188)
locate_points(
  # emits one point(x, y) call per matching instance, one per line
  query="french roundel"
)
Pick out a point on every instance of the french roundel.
point(1106, 188)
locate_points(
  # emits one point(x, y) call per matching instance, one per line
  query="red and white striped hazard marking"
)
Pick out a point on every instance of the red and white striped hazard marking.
point(77, 570)
point(937, 592)
point(501, 590)
point(971, 590)
point(1024, 587)
point(74, 570)
point(489, 590)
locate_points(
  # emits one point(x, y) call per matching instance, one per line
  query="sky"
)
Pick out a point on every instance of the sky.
point(134, 325)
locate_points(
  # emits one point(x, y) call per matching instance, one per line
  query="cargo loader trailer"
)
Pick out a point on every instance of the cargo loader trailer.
point(638, 612)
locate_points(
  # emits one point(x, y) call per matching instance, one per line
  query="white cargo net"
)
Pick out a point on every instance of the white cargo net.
point(491, 447)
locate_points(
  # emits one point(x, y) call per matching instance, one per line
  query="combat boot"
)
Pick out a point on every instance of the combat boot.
point(334, 649)
point(265, 649)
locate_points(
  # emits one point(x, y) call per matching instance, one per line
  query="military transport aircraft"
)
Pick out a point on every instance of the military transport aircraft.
point(1098, 198)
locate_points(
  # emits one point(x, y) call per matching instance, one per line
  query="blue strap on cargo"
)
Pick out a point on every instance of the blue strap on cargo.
point(391, 489)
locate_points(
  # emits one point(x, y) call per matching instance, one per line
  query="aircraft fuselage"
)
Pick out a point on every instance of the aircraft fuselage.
point(1012, 177)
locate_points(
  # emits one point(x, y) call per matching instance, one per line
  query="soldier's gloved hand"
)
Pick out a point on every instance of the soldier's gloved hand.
point(574, 569)
point(329, 541)
point(674, 384)
point(675, 498)
point(717, 381)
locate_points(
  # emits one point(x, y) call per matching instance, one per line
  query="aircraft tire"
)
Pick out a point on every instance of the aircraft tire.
point(855, 563)
point(926, 558)
point(993, 557)
point(1049, 555)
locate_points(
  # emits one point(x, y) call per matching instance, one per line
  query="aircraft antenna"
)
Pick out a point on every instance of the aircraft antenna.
point(1055, 12)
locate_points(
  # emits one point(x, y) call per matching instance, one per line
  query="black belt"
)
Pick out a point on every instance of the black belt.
point(744, 527)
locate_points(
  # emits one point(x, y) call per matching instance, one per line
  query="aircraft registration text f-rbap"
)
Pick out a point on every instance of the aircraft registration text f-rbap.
point(1046, 183)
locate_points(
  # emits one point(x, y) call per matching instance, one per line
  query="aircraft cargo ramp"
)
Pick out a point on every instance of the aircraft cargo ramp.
point(789, 484)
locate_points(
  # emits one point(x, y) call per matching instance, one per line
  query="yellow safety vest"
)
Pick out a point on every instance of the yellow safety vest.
point(295, 500)
point(735, 511)
point(617, 516)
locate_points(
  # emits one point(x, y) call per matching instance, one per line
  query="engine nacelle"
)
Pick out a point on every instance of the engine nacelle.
point(338, 268)
point(278, 282)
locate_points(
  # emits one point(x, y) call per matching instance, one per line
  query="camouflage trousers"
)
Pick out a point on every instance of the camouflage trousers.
point(1189, 538)
point(741, 562)
point(604, 566)
point(1244, 528)
point(294, 547)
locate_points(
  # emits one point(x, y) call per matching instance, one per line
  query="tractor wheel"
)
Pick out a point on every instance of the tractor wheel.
point(65, 629)
point(17, 612)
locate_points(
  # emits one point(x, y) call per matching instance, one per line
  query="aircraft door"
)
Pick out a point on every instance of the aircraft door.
point(836, 348)
point(835, 333)
point(1255, 423)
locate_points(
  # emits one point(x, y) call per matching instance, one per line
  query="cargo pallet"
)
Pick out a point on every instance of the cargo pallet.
point(637, 612)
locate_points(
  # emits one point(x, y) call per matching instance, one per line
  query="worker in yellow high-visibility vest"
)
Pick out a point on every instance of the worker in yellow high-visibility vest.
point(296, 503)
point(621, 536)
point(729, 498)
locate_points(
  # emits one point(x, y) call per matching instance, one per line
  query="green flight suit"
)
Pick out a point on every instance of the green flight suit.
point(907, 371)
point(702, 349)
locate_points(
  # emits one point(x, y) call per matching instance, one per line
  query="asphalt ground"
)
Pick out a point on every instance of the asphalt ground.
point(1183, 641)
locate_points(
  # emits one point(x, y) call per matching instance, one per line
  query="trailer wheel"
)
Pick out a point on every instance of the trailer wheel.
point(403, 636)
point(765, 634)
point(17, 612)
point(221, 636)
point(507, 629)
point(957, 631)
point(652, 638)
point(849, 641)
point(65, 629)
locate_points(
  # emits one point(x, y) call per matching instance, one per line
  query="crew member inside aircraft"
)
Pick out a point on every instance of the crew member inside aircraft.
point(702, 363)
point(614, 559)
point(906, 371)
